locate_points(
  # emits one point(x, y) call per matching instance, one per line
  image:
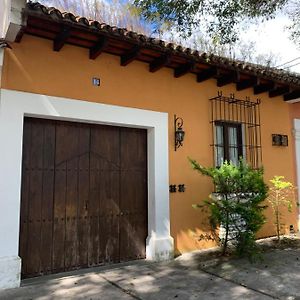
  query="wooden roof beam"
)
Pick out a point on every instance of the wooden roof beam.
point(246, 83)
point(184, 69)
point(226, 78)
point(279, 91)
point(206, 74)
point(159, 63)
point(292, 95)
point(130, 56)
point(263, 87)
point(97, 49)
point(61, 38)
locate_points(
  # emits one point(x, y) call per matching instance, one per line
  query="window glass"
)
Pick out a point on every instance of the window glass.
point(219, 145)
point(233, 145)
point(219, 135)
point(228, 142)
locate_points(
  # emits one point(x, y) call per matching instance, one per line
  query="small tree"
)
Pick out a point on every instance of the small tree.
point(236, 204)
point(281, 194)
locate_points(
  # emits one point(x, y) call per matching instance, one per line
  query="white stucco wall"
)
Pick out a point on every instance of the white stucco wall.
point(4, 16)
point(11, 18)
point(15, 105)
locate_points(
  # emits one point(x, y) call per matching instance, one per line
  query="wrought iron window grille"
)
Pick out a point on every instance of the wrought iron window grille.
point(244, 115)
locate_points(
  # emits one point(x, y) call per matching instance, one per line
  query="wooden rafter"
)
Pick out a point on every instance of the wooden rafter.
point(263, 87)
point(97, 49)
point(130, 56)
point(184, 69)
point(159, 63)
point(246, 83)
point(206, 74)
point(226, 78)
point(279, 91)
point(61, 38)
point(292, 95)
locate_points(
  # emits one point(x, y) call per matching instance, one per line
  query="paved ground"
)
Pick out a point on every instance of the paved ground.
point(188, 277)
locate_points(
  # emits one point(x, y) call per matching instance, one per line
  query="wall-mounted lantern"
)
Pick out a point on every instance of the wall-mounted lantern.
point(280, 140)
point(179, 132)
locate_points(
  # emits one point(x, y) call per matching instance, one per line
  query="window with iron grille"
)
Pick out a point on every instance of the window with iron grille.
point(236, 130)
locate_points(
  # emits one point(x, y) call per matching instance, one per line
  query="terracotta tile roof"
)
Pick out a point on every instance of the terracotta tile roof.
point(80, 23)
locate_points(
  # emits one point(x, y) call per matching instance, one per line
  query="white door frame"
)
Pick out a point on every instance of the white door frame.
point(14, 106)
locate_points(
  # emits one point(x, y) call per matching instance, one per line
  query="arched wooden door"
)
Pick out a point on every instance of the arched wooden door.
point(84, 196)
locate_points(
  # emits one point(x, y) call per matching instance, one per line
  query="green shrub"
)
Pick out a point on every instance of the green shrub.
point(236, 206)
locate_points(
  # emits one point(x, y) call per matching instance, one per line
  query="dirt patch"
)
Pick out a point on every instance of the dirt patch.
point(212, 257)
point(285, 243)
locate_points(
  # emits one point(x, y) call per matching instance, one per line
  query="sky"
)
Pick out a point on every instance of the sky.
point(273, 36)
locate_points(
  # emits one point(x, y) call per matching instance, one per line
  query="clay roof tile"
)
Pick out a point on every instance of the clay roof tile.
point(250, 68)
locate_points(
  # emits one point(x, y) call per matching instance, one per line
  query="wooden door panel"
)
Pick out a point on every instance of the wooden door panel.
point(25, 189)
point(60, 190)
point(133, 188)
point(94, 210)
point(109, 217)
point(133, 222)
point(104, 194)
point(47, 199)
point(71, 150)
point(35, 199)
point(84, 196)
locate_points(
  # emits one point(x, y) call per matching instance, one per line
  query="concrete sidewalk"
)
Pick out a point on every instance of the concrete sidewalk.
point(187, 277)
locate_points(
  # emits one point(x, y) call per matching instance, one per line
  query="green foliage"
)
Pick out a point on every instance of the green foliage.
point(281, 194)
point(293, 11)
point(236, 205)
point(222, 16)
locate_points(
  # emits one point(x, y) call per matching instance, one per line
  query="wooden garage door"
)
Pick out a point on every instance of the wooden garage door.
point(84, 196)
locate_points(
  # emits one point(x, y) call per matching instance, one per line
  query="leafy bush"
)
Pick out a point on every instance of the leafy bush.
point(281, 194)
point(236, 206)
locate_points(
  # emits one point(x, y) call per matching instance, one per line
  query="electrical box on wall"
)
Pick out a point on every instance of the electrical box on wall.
point(280, 140)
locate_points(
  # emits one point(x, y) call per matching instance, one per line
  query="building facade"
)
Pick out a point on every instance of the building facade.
point(89, 167)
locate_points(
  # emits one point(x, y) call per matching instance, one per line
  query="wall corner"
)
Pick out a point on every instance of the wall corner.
point(13, 19)
point(10, 272)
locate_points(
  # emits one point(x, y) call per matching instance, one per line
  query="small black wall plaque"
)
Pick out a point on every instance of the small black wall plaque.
point(280, 140)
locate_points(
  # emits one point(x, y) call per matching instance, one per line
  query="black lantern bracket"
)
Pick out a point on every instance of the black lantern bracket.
point(179, 132)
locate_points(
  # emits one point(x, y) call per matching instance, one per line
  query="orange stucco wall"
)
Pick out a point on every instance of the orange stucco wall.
point(32, 66)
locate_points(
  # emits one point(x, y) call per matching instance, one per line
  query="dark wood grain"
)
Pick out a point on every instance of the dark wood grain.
point(25, 196)
point(133, 188)
point(47, 197)
point(35, 199)
point(84, 196)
